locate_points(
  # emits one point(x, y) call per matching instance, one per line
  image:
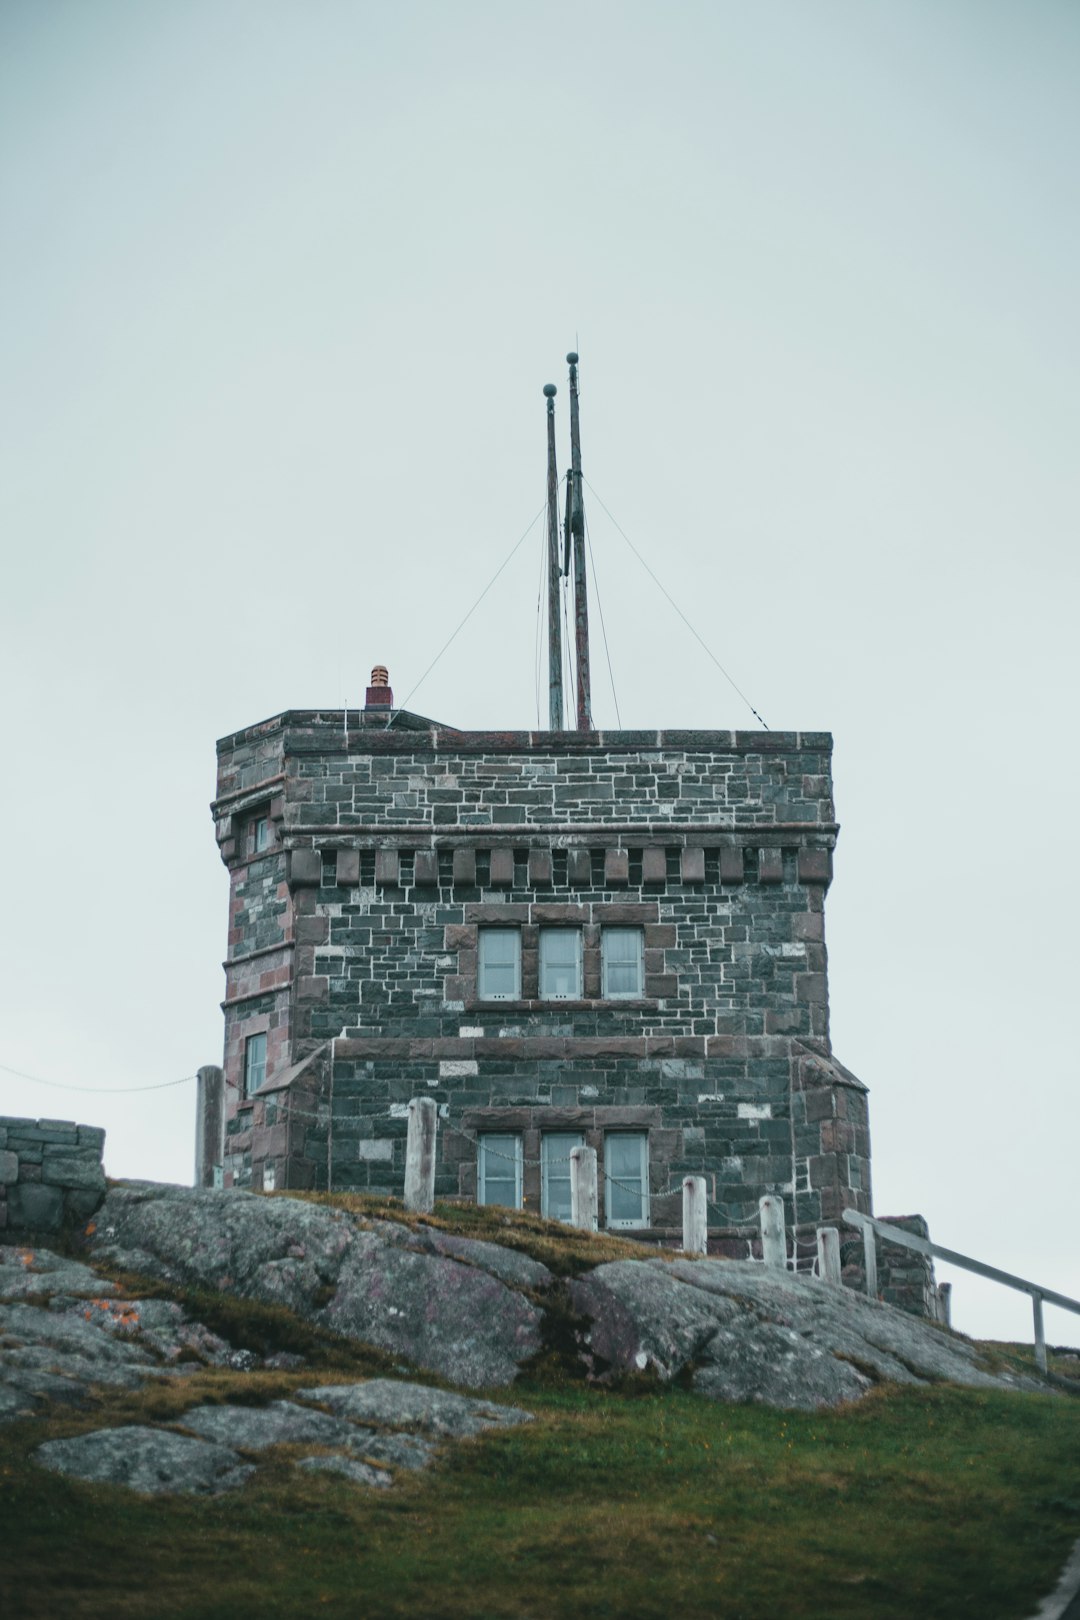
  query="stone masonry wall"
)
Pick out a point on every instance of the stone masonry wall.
point(50, 1174)
point(391, 846)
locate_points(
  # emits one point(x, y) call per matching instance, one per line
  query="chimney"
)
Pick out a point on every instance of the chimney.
point(379, 693)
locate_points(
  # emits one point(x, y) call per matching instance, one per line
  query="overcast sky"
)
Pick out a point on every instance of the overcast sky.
point(282, 284)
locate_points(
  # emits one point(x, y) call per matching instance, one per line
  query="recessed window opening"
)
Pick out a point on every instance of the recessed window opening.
point(254, 1064)
point(555, 1149)
point(560, 964)
point(498, 1170)
point(498, 964)
point(623, 964)
point(260, 834)
point(626, 1179)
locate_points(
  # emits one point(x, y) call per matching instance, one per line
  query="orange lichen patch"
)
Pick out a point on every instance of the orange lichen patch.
point(90, 1228)
point(26, 1256)
point(124, 1315)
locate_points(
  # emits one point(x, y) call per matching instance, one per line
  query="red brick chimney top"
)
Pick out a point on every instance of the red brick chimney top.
point(379, 693)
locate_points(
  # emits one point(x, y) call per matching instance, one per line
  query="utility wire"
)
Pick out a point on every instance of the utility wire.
point(678, 609)
point(57, 1085)
point(453, 637)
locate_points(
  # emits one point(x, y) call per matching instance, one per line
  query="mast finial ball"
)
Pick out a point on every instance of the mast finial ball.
point(571, 358)
point(550, 390)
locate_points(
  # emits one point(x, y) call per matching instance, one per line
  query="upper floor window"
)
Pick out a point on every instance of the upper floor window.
point(560, 964)
point(498, 1170)
point(260, 834)
point(622, 953)
point(254, 1064)
point(626, 1179)
point(498, 964)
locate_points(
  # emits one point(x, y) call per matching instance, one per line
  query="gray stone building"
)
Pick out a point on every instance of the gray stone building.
point(563, 937)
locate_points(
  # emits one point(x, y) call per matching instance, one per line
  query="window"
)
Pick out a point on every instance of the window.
point(626, 1179)
point(498, 965)
point(498, 1171)
point(260, 834)
point(623, 964)
point(560, 964)
point(254, 1063)
point(555, 1173)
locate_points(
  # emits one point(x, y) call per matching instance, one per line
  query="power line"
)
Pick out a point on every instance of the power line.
point(731, 682)
point(603, 626)
point(513, 552)
point(58, 1085)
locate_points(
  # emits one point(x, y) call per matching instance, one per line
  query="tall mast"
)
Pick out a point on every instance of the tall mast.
point(555, 691)
point(577, 529)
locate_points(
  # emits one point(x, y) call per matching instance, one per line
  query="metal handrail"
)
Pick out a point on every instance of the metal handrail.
point(895, 1234)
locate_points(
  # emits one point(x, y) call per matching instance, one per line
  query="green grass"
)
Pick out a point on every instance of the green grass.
point(933, 1502)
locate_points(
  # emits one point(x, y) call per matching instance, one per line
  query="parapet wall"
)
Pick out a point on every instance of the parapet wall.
point(50, 1174)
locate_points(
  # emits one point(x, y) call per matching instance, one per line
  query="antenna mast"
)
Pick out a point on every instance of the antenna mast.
point(555, 691)
point(577, 532)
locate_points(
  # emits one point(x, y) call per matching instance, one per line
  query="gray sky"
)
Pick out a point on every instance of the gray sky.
point(282, 283)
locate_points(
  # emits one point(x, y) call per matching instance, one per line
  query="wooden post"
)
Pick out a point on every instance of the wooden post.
point(420, 1155)
point(828, 1253)
point(773, 1239)
point(584, 1205)
point(1040, 1334)
point(869, 1246)
point(695, 1216)
point(944, 1304)
point(209, 1125)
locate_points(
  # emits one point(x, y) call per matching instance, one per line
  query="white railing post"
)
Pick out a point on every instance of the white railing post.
point(828, 1254)
point(584, 1205)
point(773, 1239)
point(943, 1294)
point(420, 1155)
point(1040, 1334)
point(869, 1247)
point(695, 1216)
point(209, 1125)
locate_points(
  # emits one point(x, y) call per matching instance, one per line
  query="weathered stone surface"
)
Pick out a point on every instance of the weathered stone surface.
point(152, 1461)
point(450, 1318)
point(414, 1406)
point(512, 1267)
point(35, 1207)
point(360, 1473)
point(752, 1335)
point(34, 1273)
point(384, 1288)
point(253, 1428)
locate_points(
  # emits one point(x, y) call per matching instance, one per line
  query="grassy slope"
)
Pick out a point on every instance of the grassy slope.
point(934, 1502)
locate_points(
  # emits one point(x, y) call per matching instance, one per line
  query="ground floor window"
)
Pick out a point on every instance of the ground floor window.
point(555, 1149)
point(498, 1170)
point(626, 1179)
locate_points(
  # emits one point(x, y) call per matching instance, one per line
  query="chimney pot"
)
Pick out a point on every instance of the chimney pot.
point(379, 693)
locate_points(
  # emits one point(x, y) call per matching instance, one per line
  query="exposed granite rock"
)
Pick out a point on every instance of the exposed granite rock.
point(253, 1428)
point(512, 1267)
point(750, 1334)
point(374, 1281)
point(152, 1461)
point(360, 1473)
point(27, 1273)
point(414, 1406)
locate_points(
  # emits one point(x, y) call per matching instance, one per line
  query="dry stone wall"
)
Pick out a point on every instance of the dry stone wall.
point(50, 1174)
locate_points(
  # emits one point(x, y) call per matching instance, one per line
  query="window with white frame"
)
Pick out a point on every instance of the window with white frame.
point(560, 964)
point(626, 1179)
point(254, 1063)
point(555, 1149)
point(498, 964)
point(622, 960)
point(498, 1170)
point(260, 834)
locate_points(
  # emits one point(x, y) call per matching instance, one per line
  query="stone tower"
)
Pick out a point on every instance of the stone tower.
point(613, 937)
